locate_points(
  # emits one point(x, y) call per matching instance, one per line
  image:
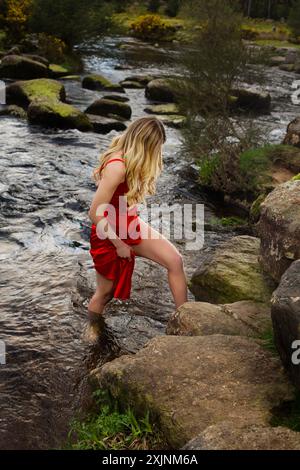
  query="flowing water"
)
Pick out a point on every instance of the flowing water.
point(46, 271)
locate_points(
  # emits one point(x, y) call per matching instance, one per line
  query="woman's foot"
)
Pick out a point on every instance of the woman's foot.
point(94, 328)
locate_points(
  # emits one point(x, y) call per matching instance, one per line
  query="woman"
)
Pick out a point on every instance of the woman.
point(129, 170)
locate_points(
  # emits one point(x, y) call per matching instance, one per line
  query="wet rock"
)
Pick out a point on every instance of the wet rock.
point(190, 383)
point(293, 133)
point(104, 125)
point(172, 120)
point(160, 90)
point(232, 274)
point(279, 229)
point(76, 78)
point(98, 82)
point(243, 318)
point(277, 60)
point(57, 71)
point(53, 113)
point(129, 333)
point(252, 99)
point(142, 79)
point(122, 99)
point(24, 92)
point(15, 111)
point(105, 107)
point(20, 67)
point(286, 320)
point(131, 84)
point(168, 108)
point(37, 58)
point(226, 436)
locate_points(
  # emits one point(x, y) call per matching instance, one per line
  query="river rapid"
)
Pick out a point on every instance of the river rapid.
point(46, 272)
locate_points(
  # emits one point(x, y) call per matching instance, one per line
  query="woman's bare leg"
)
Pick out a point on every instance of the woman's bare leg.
point(156, 247)
point(102, 296)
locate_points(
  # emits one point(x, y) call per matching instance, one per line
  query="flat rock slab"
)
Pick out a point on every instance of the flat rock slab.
point(226, 436)
point(286, 320)
point(190, 383)
point(233, 274)
point(243, 318)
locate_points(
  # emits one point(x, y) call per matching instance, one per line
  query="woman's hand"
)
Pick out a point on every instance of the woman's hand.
point(124, 251)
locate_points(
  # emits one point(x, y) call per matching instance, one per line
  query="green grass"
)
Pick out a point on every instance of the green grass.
point(110, 428)
point(288, 414)
point(267, 339)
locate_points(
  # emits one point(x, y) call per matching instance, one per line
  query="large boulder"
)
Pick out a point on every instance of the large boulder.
point(279, 229)
point(24, 92)
point(53, 113)
point(226, 436)
point(190, 383)
point(293, 133)
point(252, 99)
point(233, 273)
point(98, 82)
point(103, 125)
point(286, 320)
point(243, 318)
point(160, 90)
point(109, 108)
point(20, 67)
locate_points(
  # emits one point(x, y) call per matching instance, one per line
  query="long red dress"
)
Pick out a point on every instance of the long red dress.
point(104, 254)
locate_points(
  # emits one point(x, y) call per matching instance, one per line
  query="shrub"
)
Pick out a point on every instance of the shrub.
point(150, 27)
point(51, 47)
point(172, 7)
point(153, 6)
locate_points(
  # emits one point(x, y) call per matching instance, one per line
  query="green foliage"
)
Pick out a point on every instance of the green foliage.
point(153, 6)
point(294, 18)
point(255, 161)
point(288, 414)
point(70, 21)
point(233, 221)
point(150, 27)
point(208, 167)
point(172, 7)
point(296, 178)
point(111, 428)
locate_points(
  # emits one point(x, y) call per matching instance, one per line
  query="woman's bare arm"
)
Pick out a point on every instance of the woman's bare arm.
point(112, 176)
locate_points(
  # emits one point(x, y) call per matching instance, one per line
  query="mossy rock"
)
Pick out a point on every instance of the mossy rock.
point(160, 89)
point(14, 111)
point(168, 108)
point(122, 99)
point(256, 208)
point(53, 113)
point(24, 92)
point(172, 120)
point(70, 78)
point(131, 84)
point(98, 82)
point(57, 71)
point(104, 125)
point(233, 274)
point(105, 107)
point(296, 178)
point(20, 67)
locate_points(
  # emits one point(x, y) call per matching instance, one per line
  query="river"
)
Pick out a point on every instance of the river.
point(46, 271)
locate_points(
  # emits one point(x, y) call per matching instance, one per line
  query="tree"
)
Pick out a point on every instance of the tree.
point(294, 18)
point(70, 20)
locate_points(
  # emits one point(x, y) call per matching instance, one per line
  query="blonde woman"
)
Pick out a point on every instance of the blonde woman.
point(129, 170)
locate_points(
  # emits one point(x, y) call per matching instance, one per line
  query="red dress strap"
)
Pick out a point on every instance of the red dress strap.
point(112, 160)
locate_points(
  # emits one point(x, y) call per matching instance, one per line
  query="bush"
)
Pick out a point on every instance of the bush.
point(51, 47)
point(153, 6)
point(172, 7)
point(150, 27)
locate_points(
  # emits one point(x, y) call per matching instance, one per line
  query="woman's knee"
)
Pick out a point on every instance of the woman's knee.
point(103, 297)
point(175, 262)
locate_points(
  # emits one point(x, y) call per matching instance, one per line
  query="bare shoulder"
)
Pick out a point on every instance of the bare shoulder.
point(114, 170)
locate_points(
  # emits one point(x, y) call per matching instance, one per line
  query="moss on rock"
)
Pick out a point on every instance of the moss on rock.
point(24, 92)
point(98, 82)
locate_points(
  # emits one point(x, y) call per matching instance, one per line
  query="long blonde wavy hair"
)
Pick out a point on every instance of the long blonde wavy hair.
point(141, 146)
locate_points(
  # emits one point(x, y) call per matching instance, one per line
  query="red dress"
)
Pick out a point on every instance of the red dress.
point(125, 223)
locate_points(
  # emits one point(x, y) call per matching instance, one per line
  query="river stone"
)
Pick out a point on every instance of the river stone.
point(168, 108)
point(190, 383)
point(277, 60)
point(57, 71)
point(243, 318)
point(131, 84)
point(98, 82)
point(279, 229)
point(226, 436)
point(24, 92)
point(159, 90)
point(105, 107)
point(37, 58)
point(252, 99)
point(286, 318)
point(103, 125)
point(233, 273)
point(14, 111)
point(142, 79)
point(53, 113)
point(20, 67)
point(122, 99)
point(129, 333)
point(172, 120)
point(287, 67)
point(293, 133)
